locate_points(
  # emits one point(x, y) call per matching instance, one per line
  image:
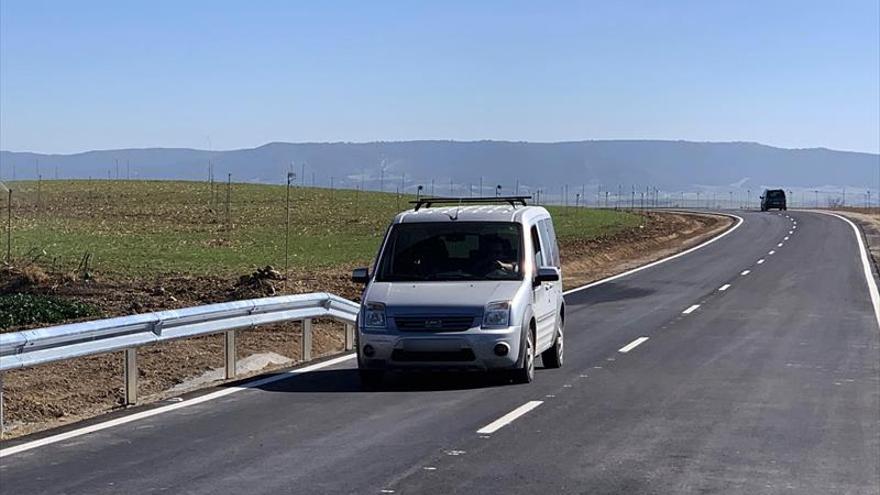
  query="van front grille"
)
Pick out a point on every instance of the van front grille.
point(433, 323)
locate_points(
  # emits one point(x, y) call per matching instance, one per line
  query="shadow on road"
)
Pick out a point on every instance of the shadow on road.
point(613, 292)
point(347, 381)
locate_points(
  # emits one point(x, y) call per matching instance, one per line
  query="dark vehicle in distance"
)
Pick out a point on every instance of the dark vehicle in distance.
point(773, 198)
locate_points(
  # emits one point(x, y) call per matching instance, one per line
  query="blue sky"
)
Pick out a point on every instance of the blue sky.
point(229, 74)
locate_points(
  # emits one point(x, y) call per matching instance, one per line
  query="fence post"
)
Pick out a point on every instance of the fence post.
point(349, 336)
point(306, 339)
point(231, 355)
point(9, 227)
point(131, 372)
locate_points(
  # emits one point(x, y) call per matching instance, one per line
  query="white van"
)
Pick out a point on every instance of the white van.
point(463, 286)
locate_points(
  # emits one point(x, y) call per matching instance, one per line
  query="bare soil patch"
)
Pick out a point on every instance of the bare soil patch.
point(52, 395)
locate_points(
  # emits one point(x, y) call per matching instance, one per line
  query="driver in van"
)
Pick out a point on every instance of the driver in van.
point(495, 257)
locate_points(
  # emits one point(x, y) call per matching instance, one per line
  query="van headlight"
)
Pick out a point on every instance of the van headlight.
point(497, 315)
point(374, 315)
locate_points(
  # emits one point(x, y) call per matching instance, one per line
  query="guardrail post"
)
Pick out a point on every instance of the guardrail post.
point(349, 336)
point(131, 373)
point(231, 356)
point(306, 339)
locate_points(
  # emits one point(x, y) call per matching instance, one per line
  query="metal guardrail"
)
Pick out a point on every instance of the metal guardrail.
point(127, 333)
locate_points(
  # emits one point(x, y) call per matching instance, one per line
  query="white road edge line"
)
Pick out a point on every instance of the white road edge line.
point(745, 272)
point(282, 376)
point(632, 345)
point(171, 407)
point(691, 309)
point(724, 288)
point(739, 222)
point(509, 417)
point(866, 265)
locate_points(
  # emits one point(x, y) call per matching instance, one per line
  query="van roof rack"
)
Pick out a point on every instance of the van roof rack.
point(441, 200)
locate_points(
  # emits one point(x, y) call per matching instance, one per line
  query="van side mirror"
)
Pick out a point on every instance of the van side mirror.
point(360, 275)
point(546, 275)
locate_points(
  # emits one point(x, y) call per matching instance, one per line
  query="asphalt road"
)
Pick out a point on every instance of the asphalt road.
point(769, 386)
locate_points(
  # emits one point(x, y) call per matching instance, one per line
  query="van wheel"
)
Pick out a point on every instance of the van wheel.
point(371, 378)
point(526, 373)
point(554, 356)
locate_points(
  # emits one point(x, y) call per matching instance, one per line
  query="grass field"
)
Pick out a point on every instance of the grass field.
point(139, 228)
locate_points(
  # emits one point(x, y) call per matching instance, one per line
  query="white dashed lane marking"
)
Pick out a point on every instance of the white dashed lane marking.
point(724, 287)
point(761, 261)
point(509, 417)
point(745, 272)
point(632, 345)
point(691, 309)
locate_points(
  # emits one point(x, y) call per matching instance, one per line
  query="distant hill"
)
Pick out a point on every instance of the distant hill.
point(667, 165)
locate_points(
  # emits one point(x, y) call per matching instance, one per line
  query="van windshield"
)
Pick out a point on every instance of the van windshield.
point(440, 251)
point(776, 194)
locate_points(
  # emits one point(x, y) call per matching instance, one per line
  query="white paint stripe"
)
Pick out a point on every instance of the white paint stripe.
point(866, 266)
point(785, 238)
point(664, 260)
point(724, 287)
point(779, 245)
point(771, 253)
point(790, 232)
point(691, 309)
point(632, 345)
point(509, 418)
point(745, 272)
point(761, 261)
point(171, 407)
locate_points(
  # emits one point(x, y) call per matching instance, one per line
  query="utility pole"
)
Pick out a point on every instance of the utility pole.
point(290, 178)
point(228, 189)
point(481, 187)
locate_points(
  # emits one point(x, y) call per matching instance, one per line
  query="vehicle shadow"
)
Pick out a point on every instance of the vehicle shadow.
point(614, 292)
point(348, 381)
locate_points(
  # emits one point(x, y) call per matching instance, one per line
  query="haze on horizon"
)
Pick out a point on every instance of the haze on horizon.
point(227, 75)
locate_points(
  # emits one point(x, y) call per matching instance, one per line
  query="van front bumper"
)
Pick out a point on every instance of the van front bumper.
point(476, 348)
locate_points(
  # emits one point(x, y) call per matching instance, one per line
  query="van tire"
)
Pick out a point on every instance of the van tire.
point(526, 373)
point(555, 355)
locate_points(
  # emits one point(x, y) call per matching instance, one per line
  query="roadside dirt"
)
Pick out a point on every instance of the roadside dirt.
point(48, 396)
point(869, 221)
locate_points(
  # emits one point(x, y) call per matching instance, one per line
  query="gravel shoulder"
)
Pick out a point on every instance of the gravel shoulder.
point(48, 396)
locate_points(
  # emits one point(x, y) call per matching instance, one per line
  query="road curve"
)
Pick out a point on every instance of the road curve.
point(728, 370)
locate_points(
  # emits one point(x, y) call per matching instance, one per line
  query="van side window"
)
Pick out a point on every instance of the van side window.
point(536, 243)
point(552, 245)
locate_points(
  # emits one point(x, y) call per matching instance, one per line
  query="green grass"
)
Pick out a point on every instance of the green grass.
point(138, 228)
point(29, 309)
